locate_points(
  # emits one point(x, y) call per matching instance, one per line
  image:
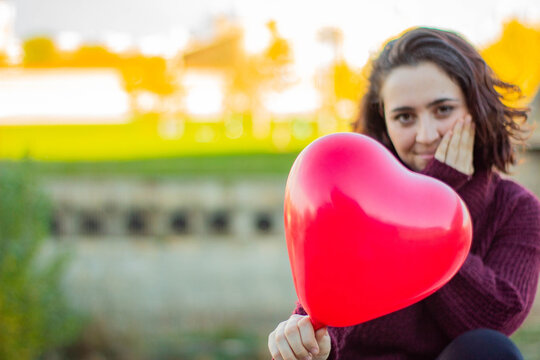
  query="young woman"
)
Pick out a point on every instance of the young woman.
point(434, 103)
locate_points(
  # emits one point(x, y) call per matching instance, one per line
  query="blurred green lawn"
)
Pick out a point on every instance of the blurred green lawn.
point(156, 137)
point(229, 166)
point(528, 339)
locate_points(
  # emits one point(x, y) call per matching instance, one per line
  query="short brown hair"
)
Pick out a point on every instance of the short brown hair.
point(498, 126)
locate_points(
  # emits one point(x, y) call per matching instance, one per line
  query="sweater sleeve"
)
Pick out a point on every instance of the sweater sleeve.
point(496, 291)
point(299, 309)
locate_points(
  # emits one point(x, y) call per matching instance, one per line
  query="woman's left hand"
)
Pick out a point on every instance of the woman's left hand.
point(456, 147)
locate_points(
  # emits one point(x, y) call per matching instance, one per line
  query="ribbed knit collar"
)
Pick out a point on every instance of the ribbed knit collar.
point(478, 192)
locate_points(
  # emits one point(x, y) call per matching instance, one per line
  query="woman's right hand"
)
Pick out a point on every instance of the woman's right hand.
point(457, 146)
point(295, 339)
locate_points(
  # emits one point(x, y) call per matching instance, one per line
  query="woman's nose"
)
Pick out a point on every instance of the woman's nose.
point(427, 131)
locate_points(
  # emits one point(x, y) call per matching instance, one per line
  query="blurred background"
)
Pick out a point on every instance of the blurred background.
point(144, 150)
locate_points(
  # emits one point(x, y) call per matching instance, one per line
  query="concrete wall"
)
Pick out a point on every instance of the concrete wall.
point(157, 289)
point(167, 208)
point(204, 253)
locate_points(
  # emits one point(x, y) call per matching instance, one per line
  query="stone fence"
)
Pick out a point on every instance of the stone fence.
point(177, 208)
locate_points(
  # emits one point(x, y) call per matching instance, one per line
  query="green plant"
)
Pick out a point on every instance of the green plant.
point(34, 316)
point(229, 342)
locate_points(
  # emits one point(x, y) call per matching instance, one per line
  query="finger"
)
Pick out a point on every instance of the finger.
point(292, 333)
point(472, 129)
point(272, 346)
point(465, 157)
point(307, 334)
point(467, 137)
point(282, 344)
point(453, 147)
point(470, 148)
point(323, 339)
point(442, 149)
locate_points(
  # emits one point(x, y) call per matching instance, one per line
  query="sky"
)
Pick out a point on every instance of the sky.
point(366, 24)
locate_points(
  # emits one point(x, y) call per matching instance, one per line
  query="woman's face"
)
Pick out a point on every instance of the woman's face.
point(421, 103)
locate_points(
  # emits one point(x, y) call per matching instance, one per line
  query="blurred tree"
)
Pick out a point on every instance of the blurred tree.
point(93, 56)
point(39, 51)
point(348, 82)
point(279, 51)
point(332, 36)
point(148, 74)
point(340, 84)
point(140, 73)
point(33, 313)
point(515, 57)
point(4, 59)
point(257, 73)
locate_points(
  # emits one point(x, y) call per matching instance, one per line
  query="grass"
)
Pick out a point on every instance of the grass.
point(228, 166)
point(158, 136)
point(221, 344)
point(141, 148)
point(527, 339)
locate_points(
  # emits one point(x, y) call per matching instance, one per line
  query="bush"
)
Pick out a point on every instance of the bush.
point(34, 316)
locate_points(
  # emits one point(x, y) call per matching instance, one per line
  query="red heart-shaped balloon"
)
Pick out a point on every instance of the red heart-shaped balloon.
point(367, 236)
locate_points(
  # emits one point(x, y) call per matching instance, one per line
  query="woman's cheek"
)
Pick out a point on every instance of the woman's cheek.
point(448, 125)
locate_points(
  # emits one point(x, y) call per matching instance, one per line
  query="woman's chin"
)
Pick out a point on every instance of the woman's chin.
point(422, 162)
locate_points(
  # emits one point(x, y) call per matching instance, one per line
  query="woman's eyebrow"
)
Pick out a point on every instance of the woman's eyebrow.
point(439, 101)
point(431, 104)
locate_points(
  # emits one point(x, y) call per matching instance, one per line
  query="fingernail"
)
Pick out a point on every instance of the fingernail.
point(314, 351)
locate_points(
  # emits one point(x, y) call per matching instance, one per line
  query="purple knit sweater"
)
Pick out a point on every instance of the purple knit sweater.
point(494, 288)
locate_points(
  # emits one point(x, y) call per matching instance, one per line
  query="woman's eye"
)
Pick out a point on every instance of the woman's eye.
point(404, 118)
point(444, 109)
